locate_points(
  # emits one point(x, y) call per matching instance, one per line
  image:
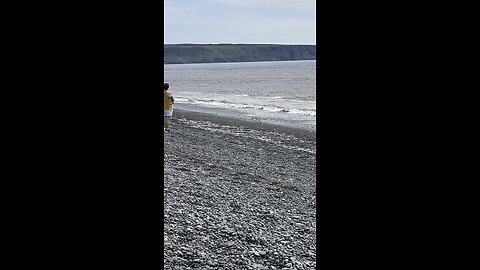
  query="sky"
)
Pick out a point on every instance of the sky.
point(290, 22)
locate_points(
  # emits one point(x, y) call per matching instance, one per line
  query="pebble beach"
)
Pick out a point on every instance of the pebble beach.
point(238, 194)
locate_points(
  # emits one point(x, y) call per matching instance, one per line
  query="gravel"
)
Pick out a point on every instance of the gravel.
point(237, 197)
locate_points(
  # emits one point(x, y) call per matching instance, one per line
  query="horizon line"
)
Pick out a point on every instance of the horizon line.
point(225, 43)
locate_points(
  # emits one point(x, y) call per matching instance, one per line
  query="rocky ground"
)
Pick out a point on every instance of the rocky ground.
point(236, 197)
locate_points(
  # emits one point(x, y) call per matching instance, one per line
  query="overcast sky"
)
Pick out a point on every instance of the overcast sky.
point(239, 21)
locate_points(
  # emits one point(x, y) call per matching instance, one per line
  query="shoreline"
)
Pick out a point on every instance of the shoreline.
point(239, 122)
point(231, 62)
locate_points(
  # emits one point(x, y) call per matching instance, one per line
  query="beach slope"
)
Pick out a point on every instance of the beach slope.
point(238, 195)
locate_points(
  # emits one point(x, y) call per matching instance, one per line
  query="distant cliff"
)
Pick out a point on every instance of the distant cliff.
point(214, 53)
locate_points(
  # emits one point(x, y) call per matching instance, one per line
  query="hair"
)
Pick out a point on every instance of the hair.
point(166, 86)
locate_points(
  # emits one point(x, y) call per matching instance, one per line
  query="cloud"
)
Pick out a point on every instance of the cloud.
point(297, 5)
point(242, 21)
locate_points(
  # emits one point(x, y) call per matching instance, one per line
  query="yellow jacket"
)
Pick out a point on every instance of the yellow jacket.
point(167, 100)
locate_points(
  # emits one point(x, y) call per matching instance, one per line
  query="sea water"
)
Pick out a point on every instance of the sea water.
point(277, 92)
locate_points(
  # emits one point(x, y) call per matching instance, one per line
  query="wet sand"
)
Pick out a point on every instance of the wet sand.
point(238, 194)
point(235, 121)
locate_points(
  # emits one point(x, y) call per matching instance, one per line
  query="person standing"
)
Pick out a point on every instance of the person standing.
point(168, 101)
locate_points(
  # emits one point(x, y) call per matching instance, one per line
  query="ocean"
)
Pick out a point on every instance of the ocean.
point(277, 92)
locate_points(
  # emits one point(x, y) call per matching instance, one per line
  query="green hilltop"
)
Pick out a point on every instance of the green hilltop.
point(216, 53)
